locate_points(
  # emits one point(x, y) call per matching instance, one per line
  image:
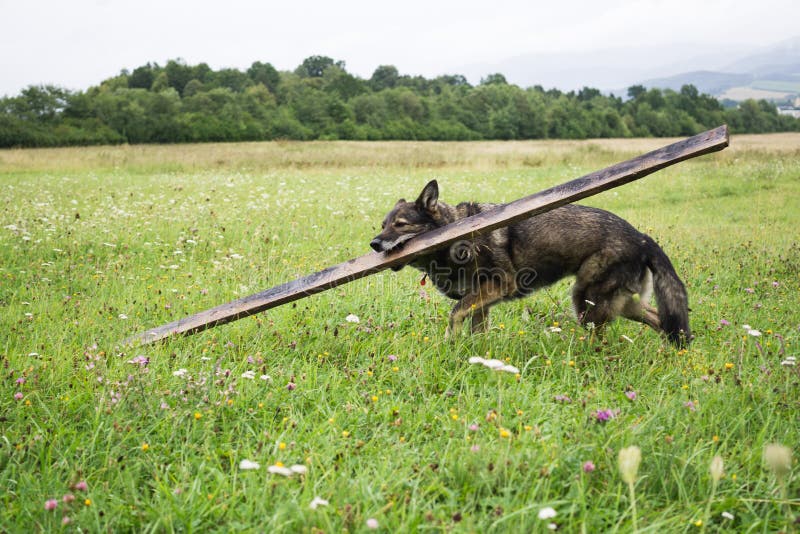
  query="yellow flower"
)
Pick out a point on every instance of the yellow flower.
point(729, 365)
point(504, 433)
point(698, 523)
point(145, 446)
point(88, 502)
point(282, 446)
point(197, 415)
point(374, 398)
point(345, 433)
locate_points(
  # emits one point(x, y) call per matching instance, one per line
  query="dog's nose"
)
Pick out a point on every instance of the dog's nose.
point(376, 245)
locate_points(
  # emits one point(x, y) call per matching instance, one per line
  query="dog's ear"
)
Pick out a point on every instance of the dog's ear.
point(429, 197)
point(401, 201)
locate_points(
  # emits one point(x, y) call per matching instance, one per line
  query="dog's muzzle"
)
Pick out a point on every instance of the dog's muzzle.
point(377, 245)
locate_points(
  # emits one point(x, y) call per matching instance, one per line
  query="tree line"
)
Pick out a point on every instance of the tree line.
point(178, 103)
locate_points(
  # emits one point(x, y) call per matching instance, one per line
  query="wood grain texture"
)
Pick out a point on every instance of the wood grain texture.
point(503, 215)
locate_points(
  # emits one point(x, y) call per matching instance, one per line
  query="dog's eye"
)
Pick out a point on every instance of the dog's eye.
point(400, 224)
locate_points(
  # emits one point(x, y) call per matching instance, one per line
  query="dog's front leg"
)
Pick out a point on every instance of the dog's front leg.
point(478, 303)
point(455, 322)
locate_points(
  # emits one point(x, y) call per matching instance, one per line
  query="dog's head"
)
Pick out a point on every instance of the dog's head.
point(408, 219)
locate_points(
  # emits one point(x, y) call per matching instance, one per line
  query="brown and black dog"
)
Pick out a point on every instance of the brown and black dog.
point(616, 267)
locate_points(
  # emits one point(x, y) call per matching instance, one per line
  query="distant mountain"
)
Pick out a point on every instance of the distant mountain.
point(608, 69)
point(726, 71)
point(706, 81)
point(771, 73)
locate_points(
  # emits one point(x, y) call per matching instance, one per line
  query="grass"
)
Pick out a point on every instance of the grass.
point(389, 419)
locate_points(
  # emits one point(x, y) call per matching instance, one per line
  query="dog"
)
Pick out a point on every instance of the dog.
point(616, 267)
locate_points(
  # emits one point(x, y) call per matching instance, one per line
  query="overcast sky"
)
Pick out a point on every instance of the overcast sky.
point(78, 43)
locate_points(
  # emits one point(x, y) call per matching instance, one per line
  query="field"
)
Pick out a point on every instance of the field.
point(389, 422)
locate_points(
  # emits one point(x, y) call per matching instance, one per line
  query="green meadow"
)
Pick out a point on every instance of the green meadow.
point(348, 410)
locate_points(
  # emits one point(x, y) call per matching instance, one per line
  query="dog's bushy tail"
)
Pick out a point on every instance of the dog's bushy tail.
point(673, 302)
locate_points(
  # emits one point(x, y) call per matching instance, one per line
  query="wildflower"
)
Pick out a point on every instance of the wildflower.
point(604, 415)
point(628, 460)
point(698, 523)
point(87, 502)
point(50, 504)
point(779, 459)
point(179, 372)
point(280, 470)
point(547, 513)
point(729, 365)
point(299, 469)
point(266, 378)
point(66, 520)
point(588, 466)
point(140, 360)
point(248, 465)
point(724, 322)
point(18, 395)
point(197, 416)
point(691, 406)
point(562, 398)
point(631, 395)
point(145, 447)
point(493, 364)
point(475, 448)
point(372, 523)
point(123, 316)
point(473, 427)
point(716, 469)
point(352, 318)
point(80, 486)
point(727, 515)
point(68, 498)
point(250, 375)
point(316, 502)
point(790, 361)
point(291, 386)
point(504, 433)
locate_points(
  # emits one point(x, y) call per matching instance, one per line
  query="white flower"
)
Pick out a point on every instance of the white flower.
point(372, 523)
point(754, 332)
point(288, 471)
point(266, 378)
point(249, 375)
point(352, 318)
point(123, 316)
point(317, 502)
point(494, 365)
point(727, 515)
point(280, 470)
point(547, 513)
point(179, 372)
point(789, 361)
point(746, 326)
point(554, 329)
point(247, 465)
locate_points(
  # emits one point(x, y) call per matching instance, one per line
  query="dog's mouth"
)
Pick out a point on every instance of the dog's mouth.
point(381, 245)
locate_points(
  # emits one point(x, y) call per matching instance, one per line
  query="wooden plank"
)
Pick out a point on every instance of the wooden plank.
point(503, 215)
